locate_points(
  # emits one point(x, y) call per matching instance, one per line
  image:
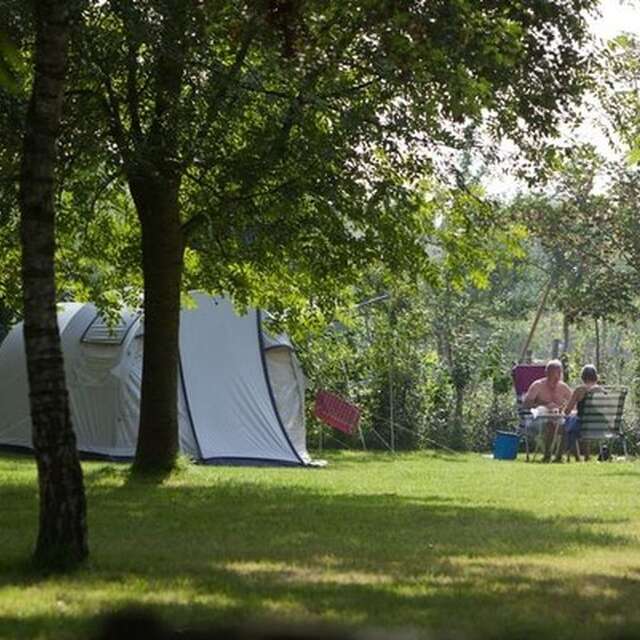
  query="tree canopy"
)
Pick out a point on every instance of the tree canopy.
point(272, 149)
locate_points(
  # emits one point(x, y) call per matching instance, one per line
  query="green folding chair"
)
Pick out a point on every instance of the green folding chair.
point(601, 417)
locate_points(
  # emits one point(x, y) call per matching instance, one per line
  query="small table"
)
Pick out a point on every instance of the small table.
point(541, 418)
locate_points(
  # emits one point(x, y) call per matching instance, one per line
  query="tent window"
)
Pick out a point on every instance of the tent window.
point(99, 331)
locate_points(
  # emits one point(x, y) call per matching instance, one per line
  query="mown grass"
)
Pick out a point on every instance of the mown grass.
point(493, 549)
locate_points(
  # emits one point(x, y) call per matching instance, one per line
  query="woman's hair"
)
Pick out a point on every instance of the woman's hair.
point(589, 373)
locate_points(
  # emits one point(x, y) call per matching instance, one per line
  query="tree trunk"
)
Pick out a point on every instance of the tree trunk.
point(162, 250)
point(457, 437)
point(154, 174)
point(62, 536)
point(597, 330)
point(536, 319)
point(391, 367)
point(604, 348)
point(565, 333)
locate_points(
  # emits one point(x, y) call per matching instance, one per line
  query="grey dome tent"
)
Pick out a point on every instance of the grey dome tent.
point(240, 395)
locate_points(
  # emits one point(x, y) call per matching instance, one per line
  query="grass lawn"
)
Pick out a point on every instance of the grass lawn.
point(418, 540)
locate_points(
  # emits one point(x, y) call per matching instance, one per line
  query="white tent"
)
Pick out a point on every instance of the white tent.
point(240, 395)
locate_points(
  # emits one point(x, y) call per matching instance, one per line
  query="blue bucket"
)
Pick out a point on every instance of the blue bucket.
point(505, 446)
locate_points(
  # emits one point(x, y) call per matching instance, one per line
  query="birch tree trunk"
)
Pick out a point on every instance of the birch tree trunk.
point(62, 536)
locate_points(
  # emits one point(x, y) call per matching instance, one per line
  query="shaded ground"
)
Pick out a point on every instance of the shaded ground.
point(493, 549)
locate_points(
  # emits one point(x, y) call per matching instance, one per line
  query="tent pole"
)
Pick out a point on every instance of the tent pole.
point(534, 326)
point(390, 364)
point(392, 426)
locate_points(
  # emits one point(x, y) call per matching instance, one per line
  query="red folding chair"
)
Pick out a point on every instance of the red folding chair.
point(524, 375)
point(336, 412)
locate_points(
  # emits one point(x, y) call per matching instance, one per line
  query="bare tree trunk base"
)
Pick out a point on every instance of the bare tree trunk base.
point(62, 540)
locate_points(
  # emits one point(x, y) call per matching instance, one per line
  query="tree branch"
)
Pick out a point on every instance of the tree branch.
point(112, 107)
point(216, 101)
point(191, 225)
point(133, 98)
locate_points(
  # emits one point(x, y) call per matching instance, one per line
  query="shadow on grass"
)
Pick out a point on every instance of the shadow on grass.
point(240, 549)
point(375, 457)
point(627, 473)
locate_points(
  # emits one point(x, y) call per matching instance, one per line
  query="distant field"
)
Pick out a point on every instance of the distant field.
point(415, 540)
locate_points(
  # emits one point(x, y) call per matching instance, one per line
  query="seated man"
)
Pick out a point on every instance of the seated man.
point(589, 376)
point(553, 394)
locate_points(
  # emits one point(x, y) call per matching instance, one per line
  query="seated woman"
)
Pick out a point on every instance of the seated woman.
point(589, 376)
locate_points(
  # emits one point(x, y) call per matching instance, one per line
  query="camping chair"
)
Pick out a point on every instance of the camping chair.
point(601, 416)
point(523, 376)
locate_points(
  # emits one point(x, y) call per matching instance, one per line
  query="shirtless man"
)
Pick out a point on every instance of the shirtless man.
point(552, 393)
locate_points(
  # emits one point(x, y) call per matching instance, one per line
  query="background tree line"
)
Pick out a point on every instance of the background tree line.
point(430, 365)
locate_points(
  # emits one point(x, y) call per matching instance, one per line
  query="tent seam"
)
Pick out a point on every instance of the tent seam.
point(188, 405)
point(265, 372)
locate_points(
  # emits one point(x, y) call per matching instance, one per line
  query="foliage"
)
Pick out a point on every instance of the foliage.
point(300, 131)
point(619, 93)
point(623, 223)
point(580, 233)
point(409, 358)
point(97, 249)
point(11, 65)
point(12, 113)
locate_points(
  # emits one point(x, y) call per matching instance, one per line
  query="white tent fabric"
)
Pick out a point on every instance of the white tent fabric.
point(287, 382)
point(15, 422)
point(240, 396)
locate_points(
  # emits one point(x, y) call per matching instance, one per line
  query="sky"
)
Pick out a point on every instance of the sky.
point(616, 17)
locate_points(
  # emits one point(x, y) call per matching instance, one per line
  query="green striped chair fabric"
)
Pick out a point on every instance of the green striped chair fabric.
point(601, 413)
